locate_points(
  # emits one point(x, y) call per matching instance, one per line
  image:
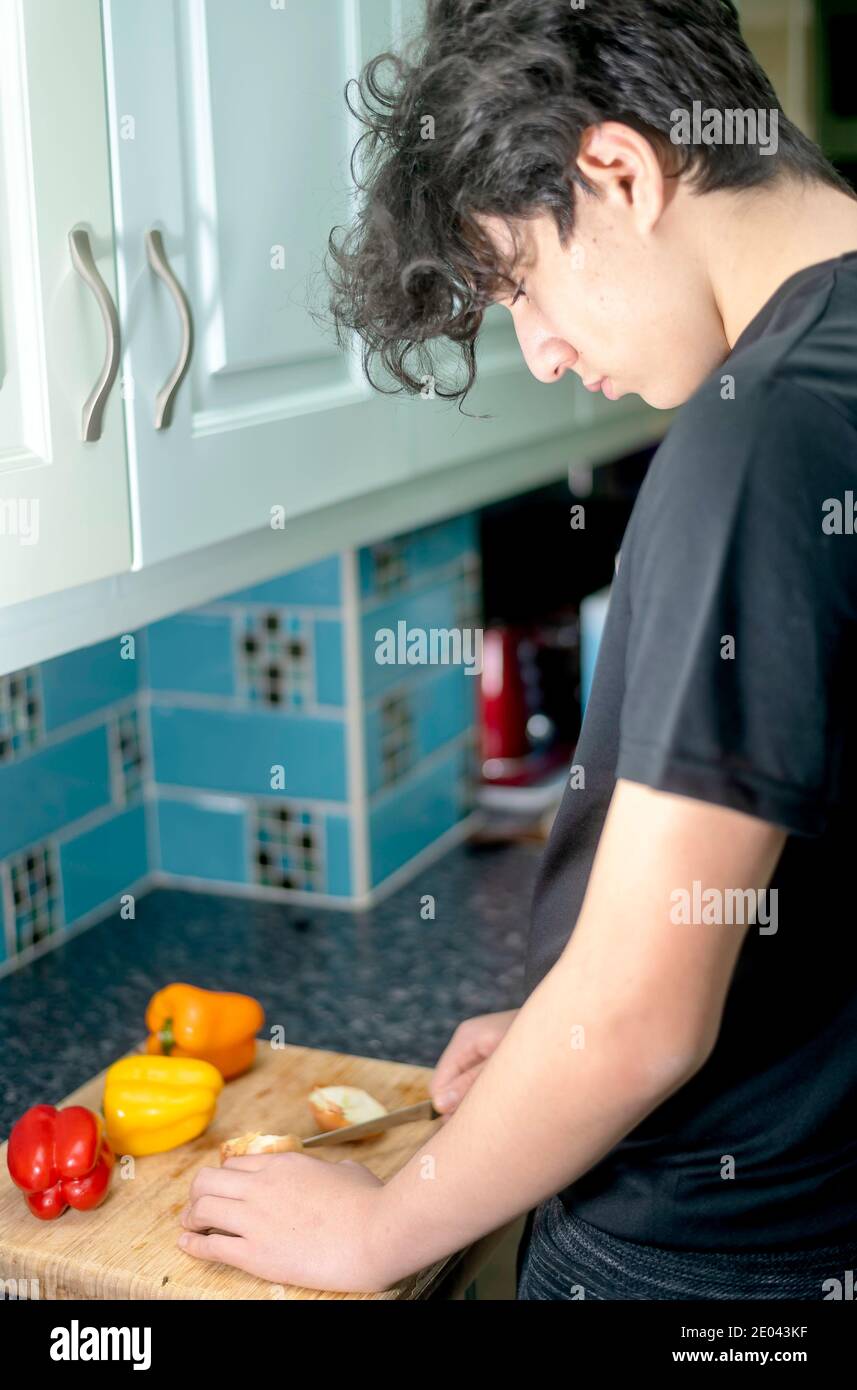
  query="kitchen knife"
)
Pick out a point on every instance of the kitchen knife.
point(423, 1110)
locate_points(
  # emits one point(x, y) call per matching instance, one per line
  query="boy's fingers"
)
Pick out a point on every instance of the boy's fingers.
point(216, 1214)
point(448, 1100)
point(228, 1250)
point(454, 1062)
point(217, 1182)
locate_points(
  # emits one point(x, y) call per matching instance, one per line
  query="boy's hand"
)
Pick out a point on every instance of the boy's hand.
point(464, 1057)
point(290, 1218)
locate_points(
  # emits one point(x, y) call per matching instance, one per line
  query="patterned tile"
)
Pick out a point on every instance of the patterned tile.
point(389, 564)
point(398, 738)
point(21, 713)
point(287, 847)
point(401, 562)
point(126, 757)
point(35, 892)
point(275, 659)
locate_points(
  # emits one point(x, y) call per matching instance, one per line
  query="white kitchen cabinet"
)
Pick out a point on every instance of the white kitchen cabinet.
point(203, 146)
point(230, 138)
point(63, 500)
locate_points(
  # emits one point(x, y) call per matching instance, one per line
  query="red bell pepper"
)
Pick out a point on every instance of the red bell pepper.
point(59, 1159)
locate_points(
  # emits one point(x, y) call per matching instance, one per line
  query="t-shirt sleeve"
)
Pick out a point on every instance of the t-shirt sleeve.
point(739, 680)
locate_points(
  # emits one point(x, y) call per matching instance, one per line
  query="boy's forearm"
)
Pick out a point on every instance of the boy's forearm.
point(543, 1111)
point(628, 1013)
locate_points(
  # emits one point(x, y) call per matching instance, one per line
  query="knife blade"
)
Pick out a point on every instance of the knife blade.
point(423, 1110)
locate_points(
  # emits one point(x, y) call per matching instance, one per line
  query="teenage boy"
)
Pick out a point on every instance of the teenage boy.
point(675, 1098)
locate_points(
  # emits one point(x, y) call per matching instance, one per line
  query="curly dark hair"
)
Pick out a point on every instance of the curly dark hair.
point(483, 115)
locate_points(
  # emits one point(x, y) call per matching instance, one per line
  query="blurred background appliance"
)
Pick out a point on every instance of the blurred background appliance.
point(546, 572)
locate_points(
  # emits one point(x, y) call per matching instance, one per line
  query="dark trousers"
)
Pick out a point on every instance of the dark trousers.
point(562, 1257)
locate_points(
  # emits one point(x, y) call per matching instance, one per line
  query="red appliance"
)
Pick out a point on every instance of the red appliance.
point(529, 699)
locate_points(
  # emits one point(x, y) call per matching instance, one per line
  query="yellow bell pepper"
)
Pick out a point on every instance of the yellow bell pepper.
point(152, 1104)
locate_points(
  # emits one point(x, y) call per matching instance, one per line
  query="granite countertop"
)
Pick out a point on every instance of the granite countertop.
point(381, 983)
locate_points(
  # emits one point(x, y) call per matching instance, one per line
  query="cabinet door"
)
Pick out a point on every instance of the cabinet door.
point(230, 135)
point(64, 515)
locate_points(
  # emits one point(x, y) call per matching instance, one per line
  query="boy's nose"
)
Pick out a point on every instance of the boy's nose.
point(548, 358)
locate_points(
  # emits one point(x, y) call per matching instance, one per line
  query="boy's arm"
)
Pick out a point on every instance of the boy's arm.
point(630, 1011)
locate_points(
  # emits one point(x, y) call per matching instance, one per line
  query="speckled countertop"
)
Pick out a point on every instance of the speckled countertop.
point(382, 983)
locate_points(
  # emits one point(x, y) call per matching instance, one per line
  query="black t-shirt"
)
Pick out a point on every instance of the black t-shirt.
point(744, 528)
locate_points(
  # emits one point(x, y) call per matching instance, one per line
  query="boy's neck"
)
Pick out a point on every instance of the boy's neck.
point(754, 241)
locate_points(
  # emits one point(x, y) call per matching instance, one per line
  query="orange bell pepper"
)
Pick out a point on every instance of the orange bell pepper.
point(185, 1021)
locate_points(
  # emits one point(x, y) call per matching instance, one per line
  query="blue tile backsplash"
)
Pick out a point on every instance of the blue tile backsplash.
point(21, 713)
point(256, 744)
point(199, 841)
point(192, 652)
point(241, 750)
point(72, 775)
point(101, 864)
point(82, 683)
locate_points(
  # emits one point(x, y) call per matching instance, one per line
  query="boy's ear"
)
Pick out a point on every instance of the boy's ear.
point(625, 170)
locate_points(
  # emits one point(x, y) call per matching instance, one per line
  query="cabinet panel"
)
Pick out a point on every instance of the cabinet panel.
point(229, 134)
point(63, 503)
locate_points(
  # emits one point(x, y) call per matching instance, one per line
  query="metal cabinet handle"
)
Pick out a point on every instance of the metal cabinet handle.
point(84, 263)
point(166, 396)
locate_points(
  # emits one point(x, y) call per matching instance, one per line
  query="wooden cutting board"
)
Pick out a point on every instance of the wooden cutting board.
point(127, 1247)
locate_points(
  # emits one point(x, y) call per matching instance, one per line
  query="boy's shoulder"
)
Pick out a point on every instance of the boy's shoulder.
point(752, 430)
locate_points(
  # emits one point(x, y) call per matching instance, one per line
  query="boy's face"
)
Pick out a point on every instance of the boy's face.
point(625, 302)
